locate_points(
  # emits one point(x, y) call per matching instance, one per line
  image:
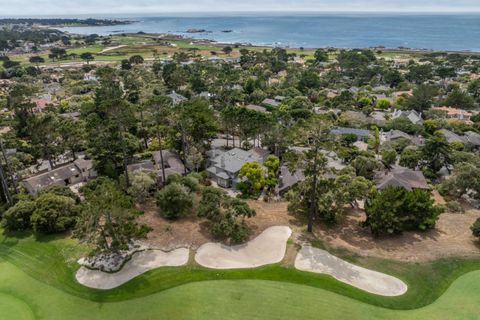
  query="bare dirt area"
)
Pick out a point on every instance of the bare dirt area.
point(193, 232)
point(451, 238)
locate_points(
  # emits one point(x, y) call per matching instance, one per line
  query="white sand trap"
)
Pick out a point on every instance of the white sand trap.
point(320, 261)
point(140, 262)
point(269, 247)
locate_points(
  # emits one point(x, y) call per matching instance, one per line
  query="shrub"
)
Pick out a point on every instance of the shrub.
point(455, 207)
point(54, 214)
point(175, 201)
point(476, 228)
point(62, 191)
point(190, 182)
point(396, 209)
point(18, 216)
point(141, 184)
point(227, 215)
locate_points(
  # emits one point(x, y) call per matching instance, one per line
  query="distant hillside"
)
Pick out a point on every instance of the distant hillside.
point(63, 22)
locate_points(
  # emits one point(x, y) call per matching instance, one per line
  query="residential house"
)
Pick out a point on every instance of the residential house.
point(146, 165)
point(80, 170)
point(275, 102)
point(412, 115)
point(225, 166)
point(401, 177)
point(71, 115)
point(172, 164)
point(454, 113)
point(254, 107)
point(176, 98)
point(394, 135)
point(452, 137)
point(473, 138)
point(287, 179)
point(361, 134)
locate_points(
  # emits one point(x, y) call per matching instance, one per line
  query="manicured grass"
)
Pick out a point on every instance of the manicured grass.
point(52, 260)
point(242, 299)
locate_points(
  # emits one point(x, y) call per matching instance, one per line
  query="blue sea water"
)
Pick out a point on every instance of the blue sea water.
point(456, 32)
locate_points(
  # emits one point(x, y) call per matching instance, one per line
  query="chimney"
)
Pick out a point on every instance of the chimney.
point(222, 162)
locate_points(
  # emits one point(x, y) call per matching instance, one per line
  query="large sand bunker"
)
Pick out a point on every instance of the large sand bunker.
point(140, 262)
point(320, 261)
point(269, 247)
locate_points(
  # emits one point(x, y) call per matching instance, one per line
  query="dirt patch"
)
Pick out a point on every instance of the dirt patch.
point(451, 237)
point(192, 231)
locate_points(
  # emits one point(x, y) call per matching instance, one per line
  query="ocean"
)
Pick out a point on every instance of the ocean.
point(454, 32)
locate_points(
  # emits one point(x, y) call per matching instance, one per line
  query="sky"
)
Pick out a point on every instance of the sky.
point(133, 7)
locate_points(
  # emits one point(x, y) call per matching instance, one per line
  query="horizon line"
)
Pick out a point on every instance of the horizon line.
point(267, 12)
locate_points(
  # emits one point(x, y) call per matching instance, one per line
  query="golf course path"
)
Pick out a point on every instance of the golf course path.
point(320, 261)
point(269, 247)
point(140, 262)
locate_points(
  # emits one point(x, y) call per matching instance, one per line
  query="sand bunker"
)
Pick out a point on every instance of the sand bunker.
point(269, 247)
point(320, 261)
point(140, 262)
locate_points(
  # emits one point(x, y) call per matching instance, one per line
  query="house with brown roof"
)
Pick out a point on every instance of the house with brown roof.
point(454, 113)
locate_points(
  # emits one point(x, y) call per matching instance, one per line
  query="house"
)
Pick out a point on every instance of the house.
point(176, 98)
point(71, 115)
point(90, 76)
point(394, 135)
point(473, 138)
point(412, 115)
point(452, 137)
point(146, 165)
point(172, 163)
point(40, 104)
point(225, 166)
point(254, 107)
point(80, 170)
point(207, 95)
point(275, 102)
point(361, 134)
point(288, 179)
point(453, 113)
point(378, 118)
point(401, 177)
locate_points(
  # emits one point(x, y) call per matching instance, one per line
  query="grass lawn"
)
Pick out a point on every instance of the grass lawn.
point(37, 279)
point(23, 297)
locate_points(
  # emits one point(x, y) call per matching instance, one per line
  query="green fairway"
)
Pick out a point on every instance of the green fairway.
point(242, 299)
point(37, 281)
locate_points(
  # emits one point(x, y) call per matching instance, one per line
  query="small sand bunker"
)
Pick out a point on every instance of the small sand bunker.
point(140, 262)
point(269, 247)
point(320, 261)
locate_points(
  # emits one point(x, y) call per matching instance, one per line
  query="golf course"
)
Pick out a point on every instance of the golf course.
point(37, 282)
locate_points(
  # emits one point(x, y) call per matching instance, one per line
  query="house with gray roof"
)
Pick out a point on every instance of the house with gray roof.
point(473, 138)
point(80, 170)
point(172, 163)
point(361, 134)
point(287, 179)
point(412, 115)
point(254, 107)
point(401, 177)
point(176, 98)
point(271, 103)
point(394, 135)
point(225, 166)
point(452, 137)
point(275, 102)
